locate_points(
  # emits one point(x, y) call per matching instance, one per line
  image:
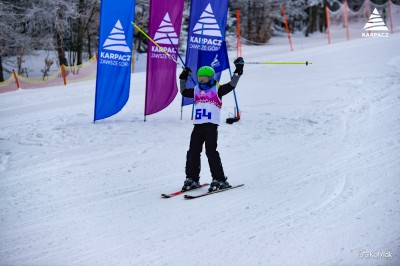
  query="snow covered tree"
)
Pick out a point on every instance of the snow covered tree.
point(316, 16)
point(6, 33)
point(142, 12)
point(49, 22)
point(14, 40)
point(257, 17)
point(306, 15)
point(83, 28)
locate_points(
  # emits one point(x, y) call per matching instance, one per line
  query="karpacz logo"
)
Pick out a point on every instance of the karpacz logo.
point(375, 23)
point(159, 52)
point(205, 41)
point(375, 34)
point(114, 59)
point(210, 34)
point(116, 42)
point(165, 35)
point(215, 63)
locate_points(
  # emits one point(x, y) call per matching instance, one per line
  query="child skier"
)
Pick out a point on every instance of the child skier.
point(207, 103)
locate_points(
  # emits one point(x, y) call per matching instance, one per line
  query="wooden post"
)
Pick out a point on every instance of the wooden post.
point(16, 79)
point(346, 19)
point(390, 15)
point(238, 41)
point(287, 28)
point(367, 12)
point(327, 23)
point(64, 74)
point(133, 61)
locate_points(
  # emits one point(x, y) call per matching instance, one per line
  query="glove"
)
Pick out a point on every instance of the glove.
point(239, 64)
point(185, 73)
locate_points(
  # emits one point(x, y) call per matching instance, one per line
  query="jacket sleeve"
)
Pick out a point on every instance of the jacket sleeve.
point(188, 93)
point(228, 87)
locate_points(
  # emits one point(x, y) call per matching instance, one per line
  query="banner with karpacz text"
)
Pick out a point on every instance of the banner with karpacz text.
point(206, 39)
point(164, 28)
point(114, 57)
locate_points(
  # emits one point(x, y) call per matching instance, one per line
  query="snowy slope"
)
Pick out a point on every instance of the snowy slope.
point(318, 148)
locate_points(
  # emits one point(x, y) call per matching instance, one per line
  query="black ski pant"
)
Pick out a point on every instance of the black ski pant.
point(208, 134)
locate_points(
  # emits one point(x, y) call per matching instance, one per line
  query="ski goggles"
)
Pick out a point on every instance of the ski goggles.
point(203, 79)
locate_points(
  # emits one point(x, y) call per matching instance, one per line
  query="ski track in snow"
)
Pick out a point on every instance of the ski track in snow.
point(318, 149)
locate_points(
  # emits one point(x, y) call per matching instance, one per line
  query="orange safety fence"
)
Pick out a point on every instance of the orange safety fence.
point(287, 28)
point(83, 72)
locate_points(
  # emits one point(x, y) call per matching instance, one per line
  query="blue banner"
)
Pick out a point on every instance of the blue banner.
point(206, 39)
point(114, 57)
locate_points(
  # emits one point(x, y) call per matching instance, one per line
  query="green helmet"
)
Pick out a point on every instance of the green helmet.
point(206, 71)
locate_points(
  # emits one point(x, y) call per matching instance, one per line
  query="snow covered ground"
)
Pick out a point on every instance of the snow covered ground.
point(318, 149)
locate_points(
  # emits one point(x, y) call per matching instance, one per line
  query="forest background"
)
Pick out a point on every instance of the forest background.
point(69, 28)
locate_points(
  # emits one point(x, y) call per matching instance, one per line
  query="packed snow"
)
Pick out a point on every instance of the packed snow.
point(317, 147)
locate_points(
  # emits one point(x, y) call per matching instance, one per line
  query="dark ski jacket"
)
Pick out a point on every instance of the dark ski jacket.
point(222, 89)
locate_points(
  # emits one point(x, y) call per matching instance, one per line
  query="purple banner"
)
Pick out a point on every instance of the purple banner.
point(164, 27)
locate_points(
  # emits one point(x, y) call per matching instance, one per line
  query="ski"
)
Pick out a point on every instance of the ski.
point(210, 193)
point(167, 196)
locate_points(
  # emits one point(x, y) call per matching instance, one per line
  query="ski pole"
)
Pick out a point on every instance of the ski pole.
point(177, 52)
point(156, 44)
point(183, 67)
point(234, 96)
point(190, 75)
point(280, 63)
point(183, 64)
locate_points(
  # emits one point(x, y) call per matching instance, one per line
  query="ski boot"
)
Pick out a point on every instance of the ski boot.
point(190, 184)
point(216, 184)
